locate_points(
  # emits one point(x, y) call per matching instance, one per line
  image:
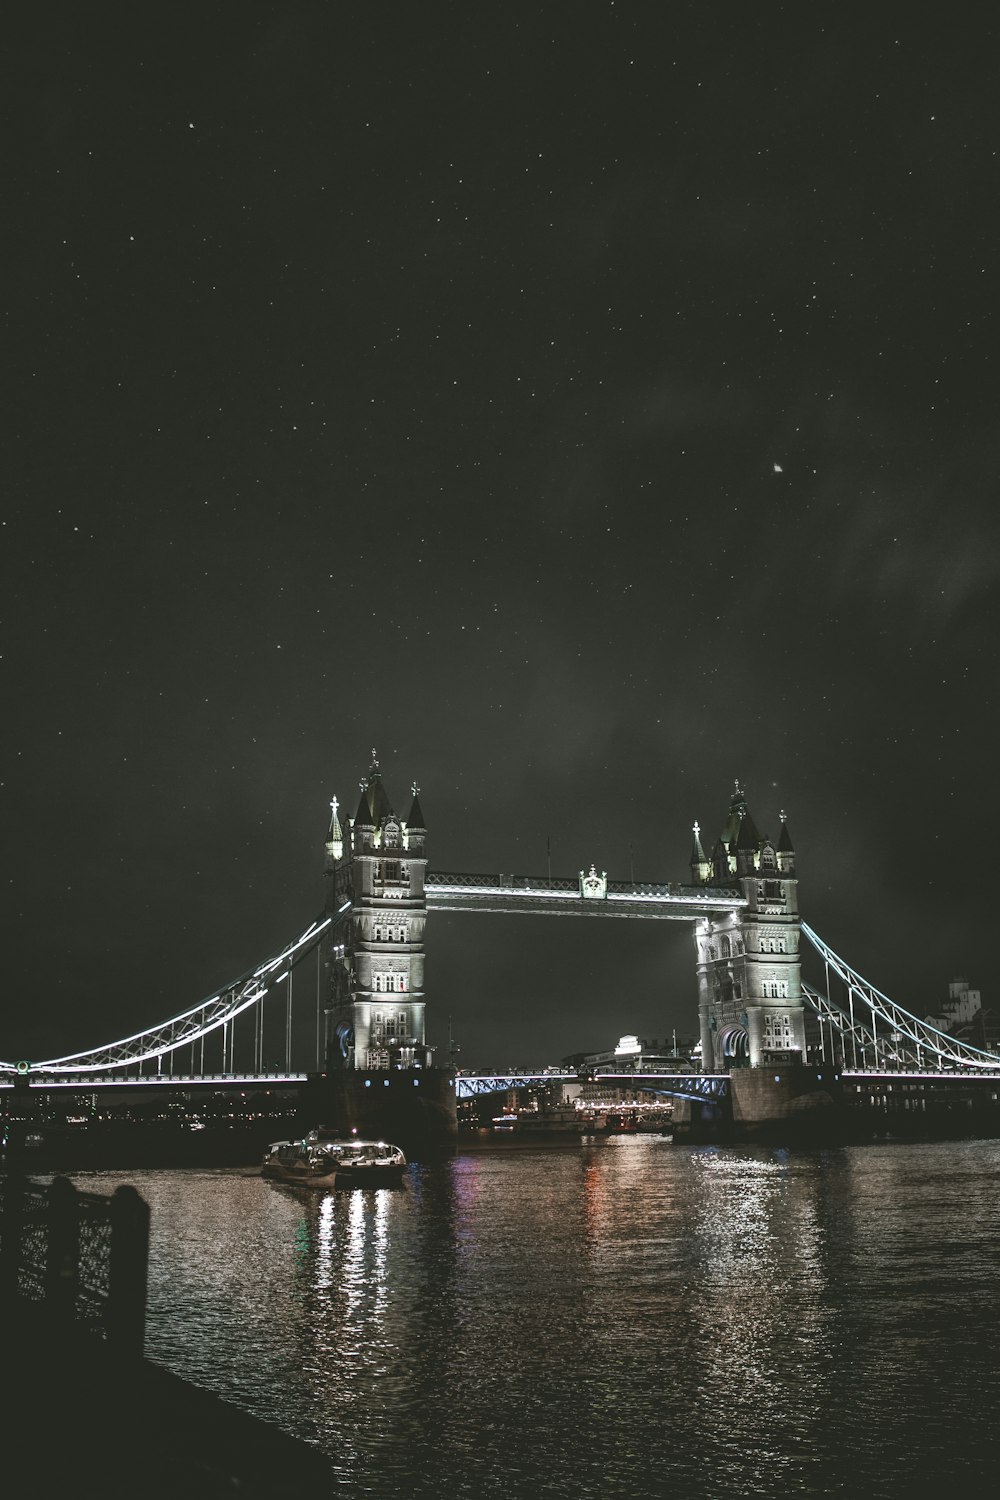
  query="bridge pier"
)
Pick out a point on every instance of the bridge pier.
point(787, 1105)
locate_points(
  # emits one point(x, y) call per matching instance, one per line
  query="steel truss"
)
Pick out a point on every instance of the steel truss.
point(884, 1031)
point(697, 1086)
point(472, 1087)
point(211, 1015)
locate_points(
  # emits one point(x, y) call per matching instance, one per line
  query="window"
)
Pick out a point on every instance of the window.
point(392, 869)
point(726, 948)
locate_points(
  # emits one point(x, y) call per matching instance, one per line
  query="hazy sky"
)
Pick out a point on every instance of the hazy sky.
point(586, 405)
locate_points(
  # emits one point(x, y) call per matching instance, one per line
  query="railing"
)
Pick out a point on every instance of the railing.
point(80, 1258)
point(558, 886)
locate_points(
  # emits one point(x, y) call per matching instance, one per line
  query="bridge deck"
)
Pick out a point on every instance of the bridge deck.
point(679, 1085)
point(560, 896)
point(108, 1080)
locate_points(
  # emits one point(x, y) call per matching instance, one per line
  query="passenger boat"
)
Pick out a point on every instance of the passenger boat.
point(362, 1163)
point(308, 1163)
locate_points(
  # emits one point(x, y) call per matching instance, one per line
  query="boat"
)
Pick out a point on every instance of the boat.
point(361, 1163)
point(308, 1163)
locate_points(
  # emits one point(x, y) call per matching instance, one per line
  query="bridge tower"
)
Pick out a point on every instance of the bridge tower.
point(375, 873)
point(750, 1004)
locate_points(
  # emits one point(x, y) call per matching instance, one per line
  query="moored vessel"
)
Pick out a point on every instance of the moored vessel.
point(307, 1163)
point(361, 1163)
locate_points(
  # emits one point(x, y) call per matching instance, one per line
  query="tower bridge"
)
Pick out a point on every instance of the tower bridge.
point(767, 1038)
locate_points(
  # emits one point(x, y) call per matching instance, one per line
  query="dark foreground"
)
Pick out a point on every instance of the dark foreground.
point(78, 1420)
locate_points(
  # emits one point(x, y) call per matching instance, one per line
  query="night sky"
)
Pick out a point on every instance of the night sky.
point(586, 405)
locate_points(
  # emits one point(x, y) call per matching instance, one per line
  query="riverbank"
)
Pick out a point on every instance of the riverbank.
point(78, 1419)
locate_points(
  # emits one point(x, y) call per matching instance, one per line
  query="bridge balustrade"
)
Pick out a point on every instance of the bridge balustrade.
point(80, 1258)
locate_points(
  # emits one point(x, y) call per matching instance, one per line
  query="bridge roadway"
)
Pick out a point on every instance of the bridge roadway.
point(588, 896)
point(94, 1081)
point(469, 1085)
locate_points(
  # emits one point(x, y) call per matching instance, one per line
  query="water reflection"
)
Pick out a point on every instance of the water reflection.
point(582, 1320)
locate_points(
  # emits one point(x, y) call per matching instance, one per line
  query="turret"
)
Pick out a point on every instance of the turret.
point(363, 827)
point(334, 837)
point(786, 849)
point(414, 829)
point(701, 867)
point(747, 845)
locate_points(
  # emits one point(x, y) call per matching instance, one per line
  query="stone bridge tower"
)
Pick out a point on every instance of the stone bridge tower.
point(750, 1005)
point(375, 873)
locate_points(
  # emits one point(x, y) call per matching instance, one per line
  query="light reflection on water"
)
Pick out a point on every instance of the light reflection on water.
point(604, 1319)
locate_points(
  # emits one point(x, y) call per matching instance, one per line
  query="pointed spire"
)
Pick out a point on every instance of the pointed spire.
point(701, 868)
point(415, 820)
point(785, 845)
point(335, 829)
point(363, 817)
point(737, 811)
point(375, 806)
point(748, 838)
point(335, 836)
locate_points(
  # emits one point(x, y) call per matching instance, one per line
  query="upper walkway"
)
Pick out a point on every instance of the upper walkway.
point(590, 895)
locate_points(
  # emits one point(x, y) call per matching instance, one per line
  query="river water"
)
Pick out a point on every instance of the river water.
point(603, 1319)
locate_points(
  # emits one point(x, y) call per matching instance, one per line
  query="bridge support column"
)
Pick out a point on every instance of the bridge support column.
point(787, 1102)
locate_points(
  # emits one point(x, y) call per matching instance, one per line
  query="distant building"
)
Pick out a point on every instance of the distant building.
point(635, 1054)
point(964, 1017)
point(959, 1010)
